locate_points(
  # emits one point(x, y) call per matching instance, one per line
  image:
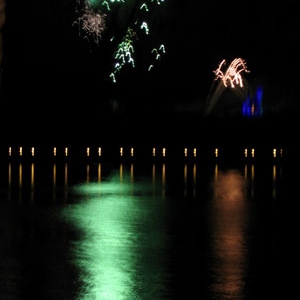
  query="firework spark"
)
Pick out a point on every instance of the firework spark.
point(157, 52)
point(93, 16)
point(233, 73)
point(91, 23)
point(124, 53)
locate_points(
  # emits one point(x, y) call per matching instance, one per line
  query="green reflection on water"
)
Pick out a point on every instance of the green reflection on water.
point(108, 252)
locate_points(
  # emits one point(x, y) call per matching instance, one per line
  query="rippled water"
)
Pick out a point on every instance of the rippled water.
point(147, 230)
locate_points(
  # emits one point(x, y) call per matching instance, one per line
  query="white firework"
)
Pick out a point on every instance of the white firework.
point(91, 24)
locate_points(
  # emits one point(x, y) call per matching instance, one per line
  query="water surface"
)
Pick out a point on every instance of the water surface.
point(146, 230)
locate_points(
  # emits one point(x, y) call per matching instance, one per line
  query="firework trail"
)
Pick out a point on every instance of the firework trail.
point(134, 19)
point(232, 75)
point(233, 72)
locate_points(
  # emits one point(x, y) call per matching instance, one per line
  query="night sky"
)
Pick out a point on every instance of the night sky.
point(48, 66)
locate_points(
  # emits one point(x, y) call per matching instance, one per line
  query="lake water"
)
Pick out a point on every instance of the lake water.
point(148, 229)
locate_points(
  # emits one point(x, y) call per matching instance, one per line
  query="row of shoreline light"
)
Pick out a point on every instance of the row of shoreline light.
point(156, 152)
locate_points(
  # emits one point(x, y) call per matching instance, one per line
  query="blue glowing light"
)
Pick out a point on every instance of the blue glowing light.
point(252, 106)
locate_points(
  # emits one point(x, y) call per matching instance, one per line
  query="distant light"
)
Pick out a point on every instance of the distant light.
point(185, 152)
point(99, 151)
point(275, 152)
point(252, 106)
point(121, 151)
point(21, 151)
point(153, 152)
point(216, 152)
point(131, 152)
point(66, 151)
point(195, 152)
point(54, 151)
point(252, 152)
point(87, 151)
point(281, 152)
point(9, 151)
point(246, 152)
point(164, 152)
point(32, 151)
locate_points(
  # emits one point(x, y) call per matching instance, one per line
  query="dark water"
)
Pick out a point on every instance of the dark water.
point(147, 230)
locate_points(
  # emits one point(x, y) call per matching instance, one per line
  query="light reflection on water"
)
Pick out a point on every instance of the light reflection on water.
point(229, 225)
point(121, 244)
point(130, 231)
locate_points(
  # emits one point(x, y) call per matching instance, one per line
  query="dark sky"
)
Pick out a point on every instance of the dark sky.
point(44, 56)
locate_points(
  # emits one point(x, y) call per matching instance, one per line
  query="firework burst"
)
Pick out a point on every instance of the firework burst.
point(91, 23)
point(232, 77)
point(136, 16)
point(233, 72)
